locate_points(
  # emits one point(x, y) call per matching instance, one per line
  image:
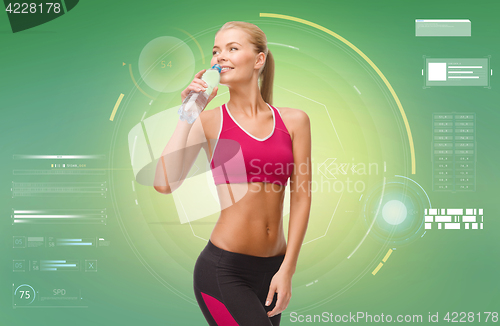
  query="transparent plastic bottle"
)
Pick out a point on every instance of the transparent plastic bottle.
point(195, 102)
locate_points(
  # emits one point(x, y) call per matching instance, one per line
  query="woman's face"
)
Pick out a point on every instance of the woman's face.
point(236, 55)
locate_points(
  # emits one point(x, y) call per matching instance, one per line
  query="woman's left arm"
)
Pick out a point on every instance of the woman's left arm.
point(300, 204)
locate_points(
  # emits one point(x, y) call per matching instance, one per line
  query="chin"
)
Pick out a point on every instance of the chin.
point(226, 83)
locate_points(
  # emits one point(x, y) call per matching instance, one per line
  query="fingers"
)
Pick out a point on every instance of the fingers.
point(281, 304)
point(214, 93)
point(197, 85)
point(197, 78)
point(277, 309)
point(270, 294)
point(199, 74)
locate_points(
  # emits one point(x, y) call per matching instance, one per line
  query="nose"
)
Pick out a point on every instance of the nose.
point(221, 60)
point(221, 57)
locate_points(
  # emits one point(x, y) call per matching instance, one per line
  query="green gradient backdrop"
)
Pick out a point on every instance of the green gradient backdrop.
point(60, 82)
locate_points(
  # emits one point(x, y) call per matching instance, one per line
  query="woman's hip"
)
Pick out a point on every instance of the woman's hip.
point(220, 258)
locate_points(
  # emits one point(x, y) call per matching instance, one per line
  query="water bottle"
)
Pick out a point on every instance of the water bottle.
point(195, 102)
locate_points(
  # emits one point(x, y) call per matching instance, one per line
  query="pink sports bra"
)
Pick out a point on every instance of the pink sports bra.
point(239, 157)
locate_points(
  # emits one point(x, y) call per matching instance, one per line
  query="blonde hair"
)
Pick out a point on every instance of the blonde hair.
point(259, 40)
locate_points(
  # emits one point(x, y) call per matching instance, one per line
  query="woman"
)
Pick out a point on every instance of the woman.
point(244, 274)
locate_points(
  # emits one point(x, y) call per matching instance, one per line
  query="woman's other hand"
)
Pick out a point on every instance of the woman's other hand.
point(281, 283)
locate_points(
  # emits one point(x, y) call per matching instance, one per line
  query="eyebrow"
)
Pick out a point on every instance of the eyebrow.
point(227, 44)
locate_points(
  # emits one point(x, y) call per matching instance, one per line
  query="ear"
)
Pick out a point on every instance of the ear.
point(260, 60)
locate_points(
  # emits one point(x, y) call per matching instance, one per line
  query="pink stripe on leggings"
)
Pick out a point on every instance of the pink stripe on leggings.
point(219, 311)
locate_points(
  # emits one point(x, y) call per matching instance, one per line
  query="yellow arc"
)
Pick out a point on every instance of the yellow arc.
point(352, 46)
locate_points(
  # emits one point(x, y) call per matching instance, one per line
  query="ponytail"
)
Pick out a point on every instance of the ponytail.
point(267, 79)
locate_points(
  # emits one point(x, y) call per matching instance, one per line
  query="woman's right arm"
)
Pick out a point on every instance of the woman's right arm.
point(183, 147)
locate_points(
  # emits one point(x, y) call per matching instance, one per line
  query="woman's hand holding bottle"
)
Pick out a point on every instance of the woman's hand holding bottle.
point(199, 93)
point(198, 85)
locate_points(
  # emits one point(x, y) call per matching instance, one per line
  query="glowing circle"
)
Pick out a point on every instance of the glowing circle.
point(394, 212)
point(166, 64)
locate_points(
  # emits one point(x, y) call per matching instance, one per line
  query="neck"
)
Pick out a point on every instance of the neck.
point(246, 98)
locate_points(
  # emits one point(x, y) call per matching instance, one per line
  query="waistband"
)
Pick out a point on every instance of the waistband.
point(243, 261)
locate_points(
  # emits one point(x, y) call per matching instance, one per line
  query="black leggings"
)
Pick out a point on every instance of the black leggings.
point(231, 288)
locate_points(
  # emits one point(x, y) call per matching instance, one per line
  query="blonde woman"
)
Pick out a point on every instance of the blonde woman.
point(244, 274)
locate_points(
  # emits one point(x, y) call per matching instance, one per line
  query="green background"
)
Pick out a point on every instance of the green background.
point(61, 80)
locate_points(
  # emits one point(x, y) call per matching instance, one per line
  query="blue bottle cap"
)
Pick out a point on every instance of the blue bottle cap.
point(216, 66)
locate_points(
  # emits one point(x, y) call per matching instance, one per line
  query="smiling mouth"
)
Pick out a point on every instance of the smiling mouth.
point(226, 69)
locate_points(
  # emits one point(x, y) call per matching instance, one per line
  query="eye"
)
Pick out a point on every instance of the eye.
point(214, 52)
point(234, 48)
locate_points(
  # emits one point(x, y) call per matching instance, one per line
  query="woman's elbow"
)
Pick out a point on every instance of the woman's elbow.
point(163, 189)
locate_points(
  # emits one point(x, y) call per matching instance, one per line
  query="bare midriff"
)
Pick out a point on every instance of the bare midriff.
point(251, 219)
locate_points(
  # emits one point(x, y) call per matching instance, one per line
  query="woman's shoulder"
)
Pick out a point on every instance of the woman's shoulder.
point(293, 119)
point(210, 115)
point(210, 120)
point(291, 113)
point(293, 116)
